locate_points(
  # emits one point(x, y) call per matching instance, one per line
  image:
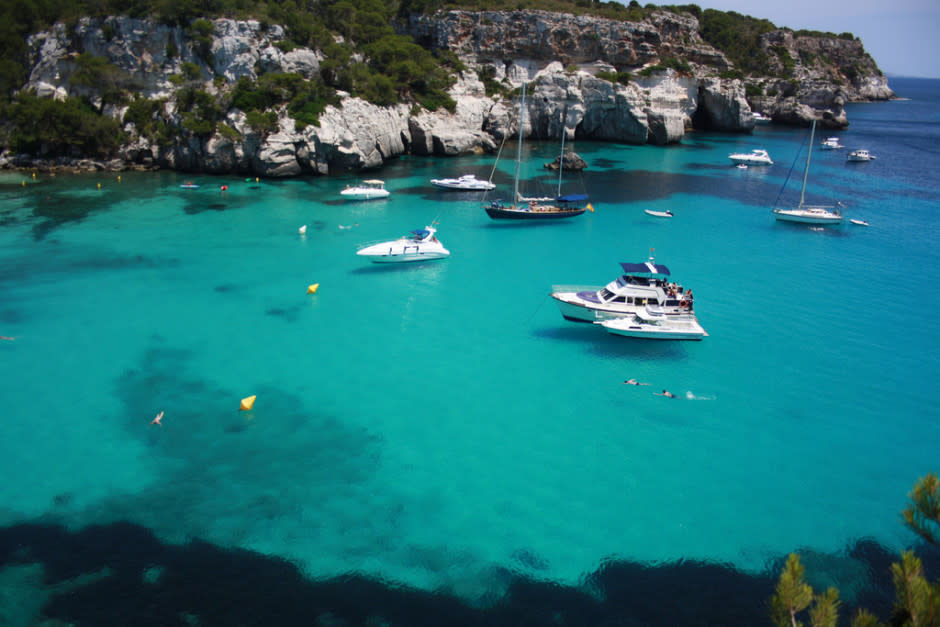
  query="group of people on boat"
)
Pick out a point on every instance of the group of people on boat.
point(674, 291)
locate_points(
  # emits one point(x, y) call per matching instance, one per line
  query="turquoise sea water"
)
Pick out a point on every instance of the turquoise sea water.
point(433, 425)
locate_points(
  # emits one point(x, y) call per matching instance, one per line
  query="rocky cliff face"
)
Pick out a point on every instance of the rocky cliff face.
point(494, 36)
point(561, 53)
point(823, 74)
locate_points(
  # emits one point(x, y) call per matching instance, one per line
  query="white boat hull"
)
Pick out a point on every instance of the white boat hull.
point(467, 183)
point(756, 157)
point(804, 216)
point(396, 252)
point(372, 194)
point(574, 309)
point(686, 328)
point(744, 161)
point(404, 257)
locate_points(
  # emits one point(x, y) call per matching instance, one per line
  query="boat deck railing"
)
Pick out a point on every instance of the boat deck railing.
point(576, 288)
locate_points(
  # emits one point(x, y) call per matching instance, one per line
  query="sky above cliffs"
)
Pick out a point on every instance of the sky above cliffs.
point(900, 35)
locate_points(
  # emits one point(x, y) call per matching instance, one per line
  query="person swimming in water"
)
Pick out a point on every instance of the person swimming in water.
point(634, 382)
point(666, 393)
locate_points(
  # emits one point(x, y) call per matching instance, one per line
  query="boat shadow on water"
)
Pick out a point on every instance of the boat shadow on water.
point(394, 268)
point(831, 230)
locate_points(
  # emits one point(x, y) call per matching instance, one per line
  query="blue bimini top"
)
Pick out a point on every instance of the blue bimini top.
point(644, 268)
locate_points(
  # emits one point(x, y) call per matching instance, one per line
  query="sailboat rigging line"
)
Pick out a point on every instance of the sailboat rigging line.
point(499, 151)
point(561, 157)
point(537, 308)
point(789, 172)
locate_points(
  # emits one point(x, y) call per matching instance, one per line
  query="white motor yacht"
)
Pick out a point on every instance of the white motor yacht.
point(760, 118)
point(367, 190)
point(467, 182)
point(758, 156)
point(641, 284)
point(652, 323)
point(860, 155)
point(831, 143)
point(419, 245)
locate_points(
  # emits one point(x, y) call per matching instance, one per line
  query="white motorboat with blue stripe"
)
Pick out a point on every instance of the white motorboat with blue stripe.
point(421, 245)
point(641, 284)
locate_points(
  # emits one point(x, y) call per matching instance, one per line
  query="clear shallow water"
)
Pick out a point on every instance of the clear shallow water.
point(432, 424)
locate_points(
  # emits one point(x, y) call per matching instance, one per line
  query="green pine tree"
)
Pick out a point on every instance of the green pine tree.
point(923, 513)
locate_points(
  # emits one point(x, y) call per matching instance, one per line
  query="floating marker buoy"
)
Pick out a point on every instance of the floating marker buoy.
point(99, 185)
point(34, 175)
point(119, 178)
point(312, 289)
point(256, 179)
point(24, 183)
point(225, 188)
point(248, 402)
point(302, 229)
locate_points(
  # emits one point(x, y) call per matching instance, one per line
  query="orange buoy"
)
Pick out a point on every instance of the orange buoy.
point(312, 289)
point(248, 402)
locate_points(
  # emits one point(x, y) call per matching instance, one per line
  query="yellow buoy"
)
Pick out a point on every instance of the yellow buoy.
point(99, 185)
point(34, 175)
point(248, 402)
point(119, 178)
point(312, 289)
point(24, 183)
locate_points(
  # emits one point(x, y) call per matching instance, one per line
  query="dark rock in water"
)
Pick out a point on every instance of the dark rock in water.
point(530, 559)
point(572, 163)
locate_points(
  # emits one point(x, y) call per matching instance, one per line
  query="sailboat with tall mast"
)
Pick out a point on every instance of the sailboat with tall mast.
point(522, 208)
point(803, 213)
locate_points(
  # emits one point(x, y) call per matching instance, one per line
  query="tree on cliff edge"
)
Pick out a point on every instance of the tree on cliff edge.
point(917, 601)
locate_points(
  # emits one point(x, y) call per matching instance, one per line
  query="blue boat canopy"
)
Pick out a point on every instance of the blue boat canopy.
point(422, 233)
point(572, 198)
point(644, 268)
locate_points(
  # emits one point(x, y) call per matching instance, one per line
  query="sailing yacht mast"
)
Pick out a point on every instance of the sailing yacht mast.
point(809, 153)
point(515, 184)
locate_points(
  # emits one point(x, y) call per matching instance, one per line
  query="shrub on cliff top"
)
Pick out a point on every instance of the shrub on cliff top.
point(47, 127)
point(736, 35)
point(306, 99)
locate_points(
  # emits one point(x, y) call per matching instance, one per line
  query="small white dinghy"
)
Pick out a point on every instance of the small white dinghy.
point(659, 214)
point(858, 222)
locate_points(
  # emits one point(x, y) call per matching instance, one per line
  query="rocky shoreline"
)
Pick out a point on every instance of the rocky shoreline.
point(565, 57)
